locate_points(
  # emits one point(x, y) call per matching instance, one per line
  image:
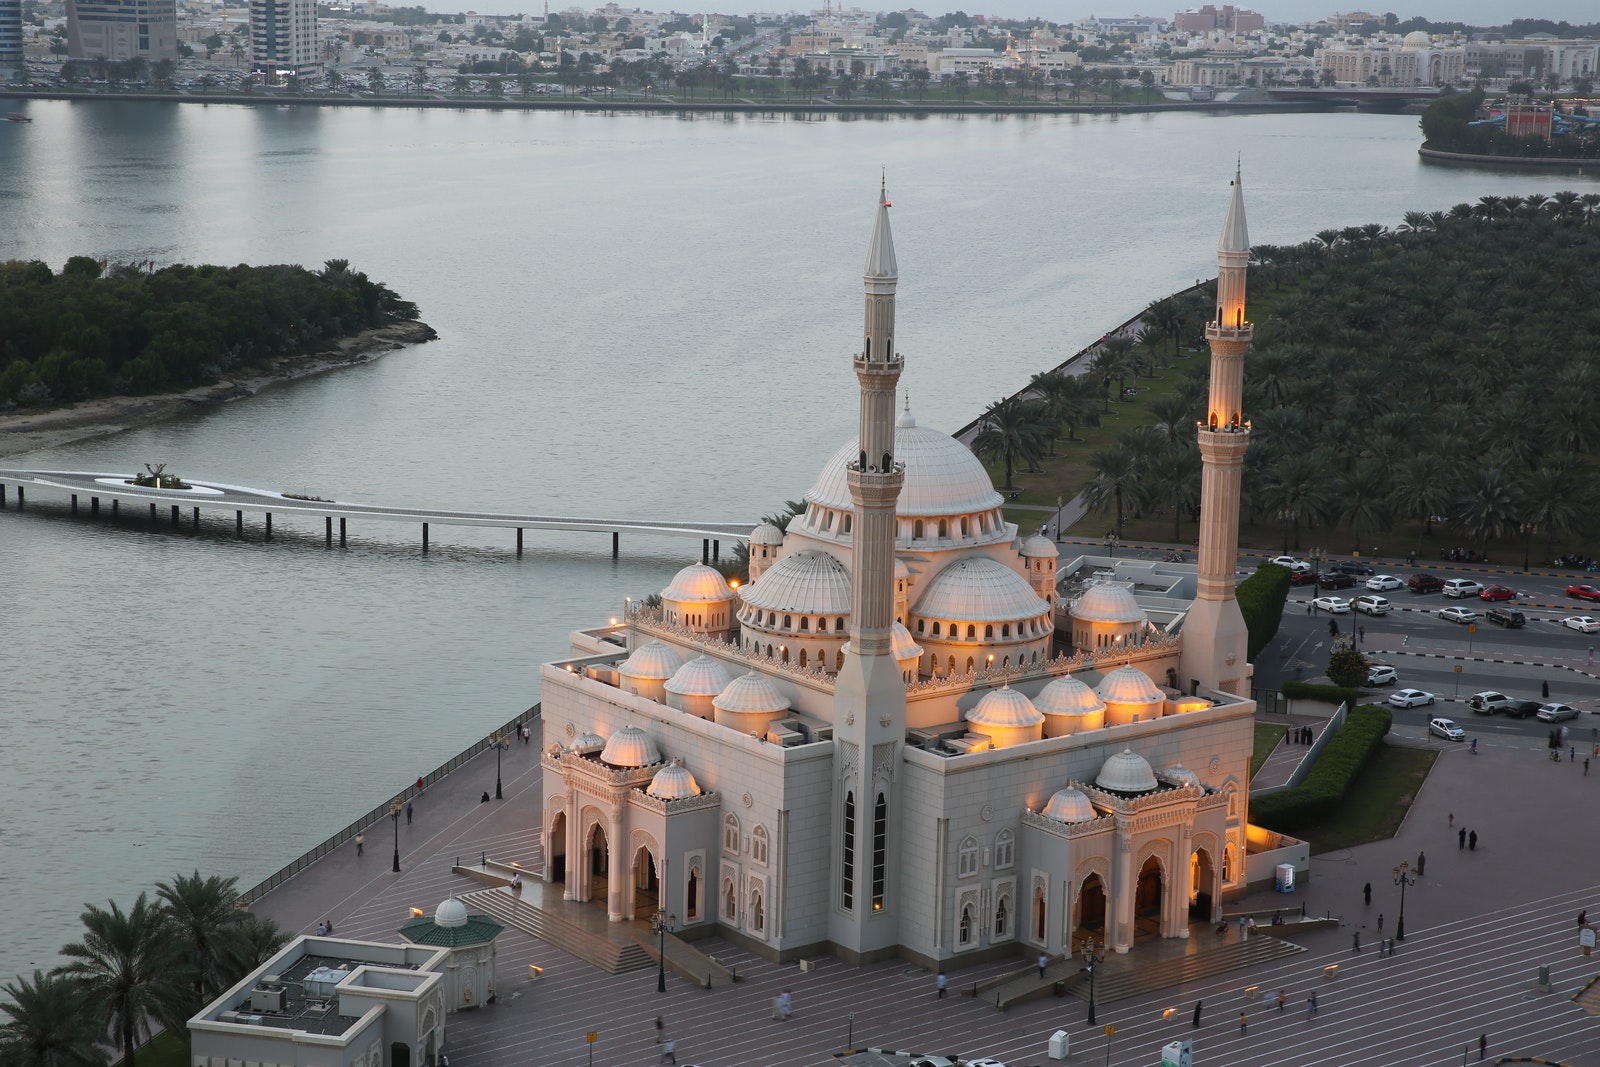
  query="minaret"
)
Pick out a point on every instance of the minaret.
point(869, 716)
point(1214, 636)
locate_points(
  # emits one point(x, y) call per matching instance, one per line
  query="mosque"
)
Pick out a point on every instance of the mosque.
point(915, 732)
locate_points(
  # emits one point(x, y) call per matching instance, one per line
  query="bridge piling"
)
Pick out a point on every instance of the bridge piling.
point(196, 520)
point(238, 524)
point(74, 503)
point(327, 531)
point(268, 536)
point(519, 542)
point(716, 551)
point(113, 508)
point(424, 538)
point(2, 496)
point(152, 513)
point(20, 499)
point(94, 505)
point(615, 541)
point(175, 519)
point(705, 550)
point(341, 531)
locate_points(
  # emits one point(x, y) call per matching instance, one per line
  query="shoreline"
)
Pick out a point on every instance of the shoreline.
point(29, 431)
point(1468, 159)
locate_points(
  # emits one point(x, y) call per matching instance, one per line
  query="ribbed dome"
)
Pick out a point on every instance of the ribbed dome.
point(1068, 696)
point(700, 677)
point(943, 477)
point(1126, 772)
point(1128, 685)
point(766, 534)
point(698, 583)
point(979, 589)
point(750, 693)
point(450, 913)
point(1418, 39)
point(902, 645)
point(1181, 776)
point(673, 782)
point(654, 660)
point(1069, 806)
point(1005, 707)
point(809, 583)
point(900, 568)
point(1039, 547)
point(1107, 602)
point(587, 742)
point(630, 747)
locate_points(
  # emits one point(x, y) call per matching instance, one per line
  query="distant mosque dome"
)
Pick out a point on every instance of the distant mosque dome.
point(1038, 546)
point(805, 583)
point(1126, 772)
point(750, 693)
point(1069, 806)
point(655, 660)
point(766, 534)
point(1181, 776)
point(700, 584)
point(673, 782)
point(979, 589)
point(1418, 39)
point(450, 913)
point(1005, 707)
point(942, 477)
point(630, 747)
point(1107, 602)
point(1128, 685)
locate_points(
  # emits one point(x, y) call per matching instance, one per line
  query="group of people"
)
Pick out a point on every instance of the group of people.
point(1463, 555)
point(1302, 735)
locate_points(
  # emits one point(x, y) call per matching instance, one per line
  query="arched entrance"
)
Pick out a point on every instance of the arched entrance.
point(646, 884)
point(556, 847)
point(399, 1054)
point(1147, 898)
point(1202, 876)
point(598, 864)
point(1091, 911)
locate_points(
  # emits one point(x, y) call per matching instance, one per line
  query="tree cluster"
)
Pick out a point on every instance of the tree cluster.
point(1447, 126)
point(87, 332)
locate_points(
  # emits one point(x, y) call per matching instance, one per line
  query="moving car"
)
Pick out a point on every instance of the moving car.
point(1383, 583)
point(1488, 702)
point(1381, 674)
point(1557, 712)
point(1351, 567)
point(1582, 623)
point(1510, 618)
point(1460, 587)
point(1425, 583)
point(1583, 592)
point(1497, 592)
point(1446, 729)
point(1410, 698)
point(1522, 709)
point(1336, 580)
point(1290, 562)
point(1333, 605)
point(1371, 604)
point(1461, 615)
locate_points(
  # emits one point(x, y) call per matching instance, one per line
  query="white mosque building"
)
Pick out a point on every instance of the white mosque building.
point(900, 738)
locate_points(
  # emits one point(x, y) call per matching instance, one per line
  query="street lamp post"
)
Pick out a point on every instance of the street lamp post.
point(1091, 959)
point(1402, 878)
point(1527, 530)
point(1060, 503)
point(663, 922)
point(1112, 541)
point(499, 742)
point(394, 814)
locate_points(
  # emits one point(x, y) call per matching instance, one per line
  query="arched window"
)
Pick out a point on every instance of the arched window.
point(964, 530)
point(785, 653)
point(1005, 850)
point(730, 834)
point(944, 529)
point(1005, 629)
point(805, 624)
point(916, 530)
point(880, 850)
point(730, 910)
point(1006, 662)
point(847, 866)
point(758, 914)
point(971, 663)
point(920, 624)
point(758, 844)
point(827, 520)
point(838, 660)
point(936, 629)
point(967, 858)
point(847, 519)
point(838, 625)
point(952, 666)
point(788, 622)
point(1000, 917)
point(802, 654)
point(972, 632)
point(964, 936)
point(691, 906)
point(988, 632)
point(1038, 915)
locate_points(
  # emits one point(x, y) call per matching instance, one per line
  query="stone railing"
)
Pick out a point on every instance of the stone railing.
point(1156, 645)
point(680, 806)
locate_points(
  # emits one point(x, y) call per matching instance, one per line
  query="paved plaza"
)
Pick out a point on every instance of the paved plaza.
point(1478, 925)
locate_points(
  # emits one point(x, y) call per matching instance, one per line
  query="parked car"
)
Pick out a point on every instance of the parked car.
point(1351, 567)
point(1497, 592)
point(1557, 712)
point(1290, 562)
point(1488, 702)
point(1383, 583)
point(1336, 580)
point(1410, 698)
point(1371, 604)
point(1302, 577)
point(1425, 583)
point(1510, 618)
point(1381, 674)
point(1461, 615)
point(1446, 729)
point(1457, 588)
point(1333, 605)
point(1522, 709)
point(1583, 592)
point(1582, 623)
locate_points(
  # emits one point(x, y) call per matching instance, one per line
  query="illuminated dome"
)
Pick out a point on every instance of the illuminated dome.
point(1038, 546)
point(1128, 685)
point(587, 742)
point(700, 677)
point(902, 646)
point(1126, 772)
point(1069, 806)
point(698, 584)
point(979, 589)
point(630, 747)
point(1005, 707)
point(673, 782)
point(807, 583)
point(766, 534)
point(943, 477)
point(654, 660)
point(750, 693)
point(1068, 696)
point(450, 913)
point(1107, 602)
point(1181, 776)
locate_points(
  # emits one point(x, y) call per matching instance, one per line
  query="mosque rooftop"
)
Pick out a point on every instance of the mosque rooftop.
point(301, 996)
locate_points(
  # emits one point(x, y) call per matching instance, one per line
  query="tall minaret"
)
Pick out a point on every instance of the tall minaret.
point(869, 718)
point(1214, 636)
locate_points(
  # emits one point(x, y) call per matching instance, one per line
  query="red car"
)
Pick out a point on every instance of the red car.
point(1583, 592)
point(1497, 592)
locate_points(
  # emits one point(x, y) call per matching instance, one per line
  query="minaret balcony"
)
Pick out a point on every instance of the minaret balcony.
point(1229, 333)
point(893, 365)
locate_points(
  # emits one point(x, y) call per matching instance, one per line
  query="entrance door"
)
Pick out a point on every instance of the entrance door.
point(646, 884)
point(1147, 898)
point(599, 865)
point(1202, 876)
point(1092, 907)
point(556, 848)
point(399, 1054)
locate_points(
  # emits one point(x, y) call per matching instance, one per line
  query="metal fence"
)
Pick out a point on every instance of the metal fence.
point(377, 814)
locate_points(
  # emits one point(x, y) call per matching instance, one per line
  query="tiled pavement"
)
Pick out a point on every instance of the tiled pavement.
point(1479, 924)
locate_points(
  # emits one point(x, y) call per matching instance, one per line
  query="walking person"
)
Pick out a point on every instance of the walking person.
point(1314, 1007)
point(1422, 859)
point(408, 813)
point(1044, 961)
point(1380, 922)
point(422, 786)
point(1243, 1022)
point(940, 983)
point(669, 1052)
point(661, 1027)
point(1197, 1006)
point(1544, 690)
point(361, 839)
point(1452, 819)
point(1282, 996)
point(1586, 766)
point(1361, 634)
point(1366, 893)
point(1483, 1039)
point(1472, 841)
point(1355, 943)
point(1461, 838)
point(785, 1003)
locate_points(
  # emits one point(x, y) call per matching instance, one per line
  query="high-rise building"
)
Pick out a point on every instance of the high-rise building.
point(10, 40)
point(283, 39)
point(122, 29)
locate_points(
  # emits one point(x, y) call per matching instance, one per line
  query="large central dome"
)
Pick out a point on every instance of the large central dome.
point(943, 477)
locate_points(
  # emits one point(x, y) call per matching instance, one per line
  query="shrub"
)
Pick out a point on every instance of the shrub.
point(1261, 599)
point(1319, 796)
point(1347, 668)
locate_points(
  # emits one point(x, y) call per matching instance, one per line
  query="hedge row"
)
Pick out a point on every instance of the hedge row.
point(1261, 599)
point(1318, 798)
point(1330, 694)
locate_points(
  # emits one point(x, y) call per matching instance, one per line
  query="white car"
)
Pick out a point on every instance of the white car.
point(1461, 615)
point(1582, 623)
point(1383, 583)
point(1410, 698)
point(1371, 604)
point(1462, 587)
point(1290, 562)
point(1333, 605)
point(1446, 729)
point(1556, 712)
point(1381, 674)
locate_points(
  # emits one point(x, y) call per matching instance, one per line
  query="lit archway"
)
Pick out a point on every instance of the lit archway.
point(1202, 877)
point(1148, 893)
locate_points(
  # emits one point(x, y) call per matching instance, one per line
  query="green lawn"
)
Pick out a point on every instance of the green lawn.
point(1378, 799)
point(1268, 734)
point(168, 1050)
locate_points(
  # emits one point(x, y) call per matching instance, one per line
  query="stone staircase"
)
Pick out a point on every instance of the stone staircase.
point(1120, 983)
point(611, 956)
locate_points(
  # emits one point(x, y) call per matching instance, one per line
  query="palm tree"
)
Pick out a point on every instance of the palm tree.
point(1118, 483)
point(1489, 504)
point(1108, 364)
point(1014, 431)
point(130, 967)
point(1297, 492)
point(1175, 475)
point(50, 1025)
point(1550, 495)
point(258, 939)
point(1361, 499)
point(202, 911)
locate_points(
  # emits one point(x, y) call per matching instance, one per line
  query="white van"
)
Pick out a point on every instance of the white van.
point(1371, 604)
point(1462, 587)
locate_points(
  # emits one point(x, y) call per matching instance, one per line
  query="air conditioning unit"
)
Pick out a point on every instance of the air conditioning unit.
point(268, 980)
point(267, 999)
point(319, 1007)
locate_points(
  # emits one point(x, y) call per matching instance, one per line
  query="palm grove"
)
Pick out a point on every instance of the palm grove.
point(1431, 379)
point(156, 963)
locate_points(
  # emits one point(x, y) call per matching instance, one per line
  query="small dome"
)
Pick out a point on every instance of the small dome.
point(1128, 685)
point(1418, 39)
point(1039, 547)
point(1005, 707)
point(1126, 772)
point(906, 420)
point(902, 646)
point(700, 677)
point(1107, 602)
point(673, 782)
point(766, 534)
point(1069, 806)
point(630, 747)
point(752, 693)
point(588, 742)
point(1181, 776)
point(654, 660)
point(979, 589)
point(805, 583)
point(698, 584)
point(450, 913)
point(1068, 696)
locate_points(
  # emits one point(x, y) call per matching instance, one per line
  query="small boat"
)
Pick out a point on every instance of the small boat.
point(17, 116)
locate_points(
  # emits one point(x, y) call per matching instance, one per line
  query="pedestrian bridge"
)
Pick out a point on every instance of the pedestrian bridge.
point(115, 490)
